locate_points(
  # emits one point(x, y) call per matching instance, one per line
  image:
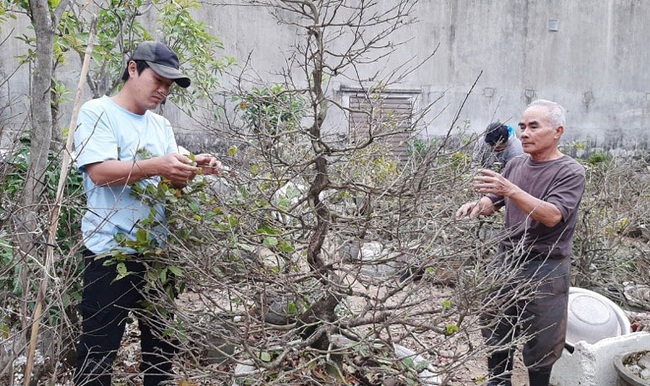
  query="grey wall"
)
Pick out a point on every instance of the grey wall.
point(14, 78)
point(596, 64)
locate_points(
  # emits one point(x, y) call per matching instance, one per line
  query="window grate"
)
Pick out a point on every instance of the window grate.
point(385, 117)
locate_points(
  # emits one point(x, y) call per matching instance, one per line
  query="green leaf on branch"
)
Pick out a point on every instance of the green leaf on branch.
point(122, 271)
point(267, 229)
point(270, 242)
point(265, 356)
point(175, 271)
point(451, 329)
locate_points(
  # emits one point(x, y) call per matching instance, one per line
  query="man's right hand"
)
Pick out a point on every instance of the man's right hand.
point(177, 168)
point(473, 209)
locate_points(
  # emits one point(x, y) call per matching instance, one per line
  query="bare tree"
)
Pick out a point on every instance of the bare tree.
point(306, 249)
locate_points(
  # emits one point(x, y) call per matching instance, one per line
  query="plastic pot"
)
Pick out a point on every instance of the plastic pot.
point(625, 376)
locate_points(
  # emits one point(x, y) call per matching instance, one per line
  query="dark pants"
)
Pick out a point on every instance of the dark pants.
point(105, 307)
point(541, 316)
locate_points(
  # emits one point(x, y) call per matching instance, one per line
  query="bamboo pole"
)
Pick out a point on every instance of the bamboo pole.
point(56, 211)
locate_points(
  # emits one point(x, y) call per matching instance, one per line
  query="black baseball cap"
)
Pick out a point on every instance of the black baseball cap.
point(162, 60)
point(496, 133)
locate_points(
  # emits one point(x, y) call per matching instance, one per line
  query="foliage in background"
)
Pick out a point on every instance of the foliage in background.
point(120, 29)
point(419, 147)
point(4, 14)
point(272, 110)
point(613, 233)
point(12, 182)
point(196, 47)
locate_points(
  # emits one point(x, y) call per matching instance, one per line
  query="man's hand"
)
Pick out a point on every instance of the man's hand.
point(209, 164)
point(473, 209)
point(177, 168)
point(488, 181)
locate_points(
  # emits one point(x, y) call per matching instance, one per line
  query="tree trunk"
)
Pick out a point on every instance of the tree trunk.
point(26, 219)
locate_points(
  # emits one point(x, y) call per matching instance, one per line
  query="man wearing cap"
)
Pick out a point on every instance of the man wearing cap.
point(541, 192)
point(499, 145)
point(119, 143)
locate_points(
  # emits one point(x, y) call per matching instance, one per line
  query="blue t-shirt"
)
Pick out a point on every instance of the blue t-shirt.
point(107, 131)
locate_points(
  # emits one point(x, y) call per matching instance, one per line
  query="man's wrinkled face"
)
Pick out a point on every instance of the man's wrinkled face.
point(538, 134)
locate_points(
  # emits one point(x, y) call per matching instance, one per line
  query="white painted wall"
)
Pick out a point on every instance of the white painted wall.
point(597, 64)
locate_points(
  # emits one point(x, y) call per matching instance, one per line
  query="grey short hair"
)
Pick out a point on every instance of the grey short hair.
point(556, 113)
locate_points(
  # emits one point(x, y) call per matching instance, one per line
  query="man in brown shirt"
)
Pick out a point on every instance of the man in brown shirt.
point(541, 192)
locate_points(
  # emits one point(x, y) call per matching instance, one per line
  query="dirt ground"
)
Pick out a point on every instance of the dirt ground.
point(126, 366)
point(468, 373)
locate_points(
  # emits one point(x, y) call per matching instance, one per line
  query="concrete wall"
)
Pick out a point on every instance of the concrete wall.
point(14, 78)
point(596, 63)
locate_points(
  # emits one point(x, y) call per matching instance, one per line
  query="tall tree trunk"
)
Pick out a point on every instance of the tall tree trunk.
point(25, 222)
point(26, 225)
point(28, 231)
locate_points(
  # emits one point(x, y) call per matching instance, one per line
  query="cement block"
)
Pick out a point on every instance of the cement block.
point(593, 364)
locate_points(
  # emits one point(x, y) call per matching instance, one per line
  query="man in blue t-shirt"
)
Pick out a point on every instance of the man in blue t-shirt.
point(120, 142)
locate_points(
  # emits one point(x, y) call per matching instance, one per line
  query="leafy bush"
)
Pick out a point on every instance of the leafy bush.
point(16, 274)
point(599, 157)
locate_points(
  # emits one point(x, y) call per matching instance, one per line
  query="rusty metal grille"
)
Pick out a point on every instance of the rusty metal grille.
point(385, 117)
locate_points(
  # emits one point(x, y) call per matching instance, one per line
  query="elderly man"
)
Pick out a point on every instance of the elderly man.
point(541, 193)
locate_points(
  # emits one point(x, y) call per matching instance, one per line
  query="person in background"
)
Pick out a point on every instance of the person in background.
point(541, 192)
point(120, 142)
point(498, 146)
point(492, 151)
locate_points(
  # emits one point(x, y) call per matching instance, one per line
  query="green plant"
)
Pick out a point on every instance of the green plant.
point(8, 270)
point(4, 14)
point(186, 211)
point(196, 48)
point(609, 242)
point(373, 165)
point(13, 181)
point(599, 158)
point(419, 148)
point(272, 110)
